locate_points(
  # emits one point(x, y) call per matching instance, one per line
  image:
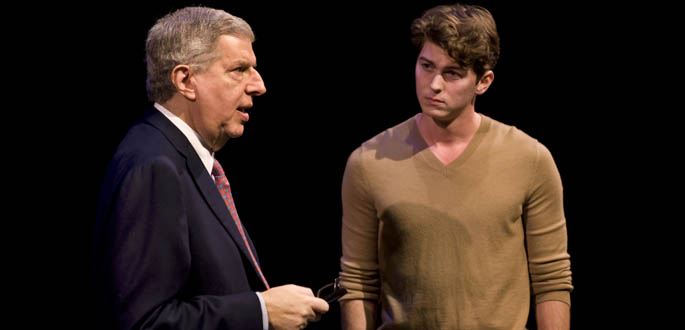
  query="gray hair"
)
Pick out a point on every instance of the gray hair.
point(186, 36)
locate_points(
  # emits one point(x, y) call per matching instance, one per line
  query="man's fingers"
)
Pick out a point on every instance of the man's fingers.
point(319, 306)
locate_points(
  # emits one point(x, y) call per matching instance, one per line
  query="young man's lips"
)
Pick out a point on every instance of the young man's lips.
point(434, 101)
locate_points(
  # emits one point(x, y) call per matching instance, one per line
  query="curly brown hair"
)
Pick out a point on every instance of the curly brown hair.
point(467, 33)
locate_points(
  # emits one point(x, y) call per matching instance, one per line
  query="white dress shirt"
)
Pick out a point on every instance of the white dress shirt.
point(207, 159)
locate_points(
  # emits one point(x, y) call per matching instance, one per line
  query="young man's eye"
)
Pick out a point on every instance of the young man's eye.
point(426, 66)
point(453, 75)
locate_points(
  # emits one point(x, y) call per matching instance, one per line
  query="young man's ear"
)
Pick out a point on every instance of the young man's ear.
point(181, 77)
point(485, 82)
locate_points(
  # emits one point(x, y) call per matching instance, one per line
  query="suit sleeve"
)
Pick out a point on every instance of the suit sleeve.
point(546, 237)
point(146, 259)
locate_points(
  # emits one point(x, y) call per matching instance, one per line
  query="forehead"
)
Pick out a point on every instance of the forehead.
point(235, 49)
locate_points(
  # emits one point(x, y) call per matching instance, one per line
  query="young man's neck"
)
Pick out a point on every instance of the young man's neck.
point(459, 130)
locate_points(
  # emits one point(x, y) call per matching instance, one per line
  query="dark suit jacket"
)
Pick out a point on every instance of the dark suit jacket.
point(167, 253)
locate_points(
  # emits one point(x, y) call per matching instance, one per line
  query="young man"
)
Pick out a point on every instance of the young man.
point(451, 217)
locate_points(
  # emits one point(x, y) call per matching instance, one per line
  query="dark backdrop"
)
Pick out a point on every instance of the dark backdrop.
point(337, 74)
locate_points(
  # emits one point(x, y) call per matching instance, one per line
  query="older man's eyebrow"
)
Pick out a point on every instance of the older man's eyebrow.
point(241, 65)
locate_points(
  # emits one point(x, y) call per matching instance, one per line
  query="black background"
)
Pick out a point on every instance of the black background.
point(336, 75)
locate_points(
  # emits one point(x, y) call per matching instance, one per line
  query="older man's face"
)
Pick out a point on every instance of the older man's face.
point(224, 92)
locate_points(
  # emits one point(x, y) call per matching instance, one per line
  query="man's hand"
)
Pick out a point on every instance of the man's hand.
point(292, 307)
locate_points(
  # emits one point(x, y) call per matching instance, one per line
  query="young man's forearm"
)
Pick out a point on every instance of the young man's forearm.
point(553, 315)
point(358, 314)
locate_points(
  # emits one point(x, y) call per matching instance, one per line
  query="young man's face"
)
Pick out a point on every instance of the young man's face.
point(445, 89)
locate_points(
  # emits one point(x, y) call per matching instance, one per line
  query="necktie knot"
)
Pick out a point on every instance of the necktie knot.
point(217, 170)
point(221, 181)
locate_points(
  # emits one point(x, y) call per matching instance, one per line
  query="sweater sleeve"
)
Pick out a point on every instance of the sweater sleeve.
point(546, 238)
point(359, 262)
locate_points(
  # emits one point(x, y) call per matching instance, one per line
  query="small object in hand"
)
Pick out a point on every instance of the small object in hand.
point(332, 291)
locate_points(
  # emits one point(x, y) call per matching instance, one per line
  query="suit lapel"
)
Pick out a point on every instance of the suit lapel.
point(203, 181)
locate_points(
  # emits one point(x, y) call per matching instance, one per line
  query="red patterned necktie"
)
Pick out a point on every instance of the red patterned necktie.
point(225, 191)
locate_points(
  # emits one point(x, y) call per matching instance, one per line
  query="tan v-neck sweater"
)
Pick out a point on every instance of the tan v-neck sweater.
point(454, 246)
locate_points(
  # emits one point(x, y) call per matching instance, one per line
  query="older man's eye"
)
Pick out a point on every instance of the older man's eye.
point(238, 73)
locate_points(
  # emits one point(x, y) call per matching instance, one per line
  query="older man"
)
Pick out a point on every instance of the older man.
point(170, 249)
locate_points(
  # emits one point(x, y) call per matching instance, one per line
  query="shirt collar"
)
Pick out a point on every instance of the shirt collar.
point(193, 137)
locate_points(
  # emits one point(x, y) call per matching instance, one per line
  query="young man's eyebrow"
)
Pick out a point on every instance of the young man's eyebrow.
point(425, 59)
point(454, 66)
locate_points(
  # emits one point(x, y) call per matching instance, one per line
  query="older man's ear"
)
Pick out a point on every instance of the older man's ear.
point(182, 78)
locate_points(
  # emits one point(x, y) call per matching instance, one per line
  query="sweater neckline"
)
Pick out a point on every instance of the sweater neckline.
point(432, 160)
